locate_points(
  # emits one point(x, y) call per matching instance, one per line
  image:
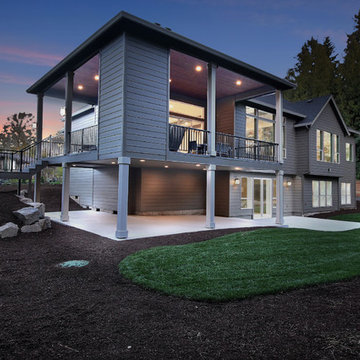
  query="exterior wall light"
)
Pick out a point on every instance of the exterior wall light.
point(198, 68)
point(287, 183)
point(236, 181)
point(62, 111)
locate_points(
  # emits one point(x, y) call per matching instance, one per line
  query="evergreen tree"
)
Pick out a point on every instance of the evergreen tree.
point(316, 71)
point(349, 99)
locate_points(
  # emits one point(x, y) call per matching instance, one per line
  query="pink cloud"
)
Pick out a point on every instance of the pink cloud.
point(28, 56)
point(13, 79)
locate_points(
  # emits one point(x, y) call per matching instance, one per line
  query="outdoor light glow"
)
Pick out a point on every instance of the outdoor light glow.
point(62, 111)
point(80, 87)
point(198, 68)
point(237, 168)
point(113, 162)
point(197, 164)
point(169, 80)
point(142, 160)
point(96, 77)
point(237, 181)
point(166, 166)
point(238, 82)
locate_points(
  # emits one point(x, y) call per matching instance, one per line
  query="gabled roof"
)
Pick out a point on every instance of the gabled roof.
point(124, 22)
point(306, 111)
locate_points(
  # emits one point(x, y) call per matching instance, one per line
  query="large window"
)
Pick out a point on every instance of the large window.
point(327, 147)
point(246, 193)
point(260, 124)
point(349, 152)
point(321, 193)
point(185, 114)
point(345, 193)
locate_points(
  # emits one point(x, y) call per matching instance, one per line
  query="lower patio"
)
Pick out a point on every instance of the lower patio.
point(104, 224)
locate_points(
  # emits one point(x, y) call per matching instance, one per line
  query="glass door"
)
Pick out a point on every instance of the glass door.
point(262, 198)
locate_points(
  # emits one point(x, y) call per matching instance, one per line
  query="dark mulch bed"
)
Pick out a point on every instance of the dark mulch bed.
point(340, 212)
point(93, 313)
point(50, 195)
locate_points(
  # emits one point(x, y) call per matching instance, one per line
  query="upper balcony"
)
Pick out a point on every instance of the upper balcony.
point(195, 141)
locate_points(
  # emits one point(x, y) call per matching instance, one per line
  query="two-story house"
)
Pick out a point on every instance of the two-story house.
point(155, 123)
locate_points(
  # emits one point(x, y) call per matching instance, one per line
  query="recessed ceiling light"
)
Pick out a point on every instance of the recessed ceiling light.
point(96, 77)
point(142, 160)
point(166, 166)
point(74, 165)
point(198, 68)
point(204, 169)
point(238, 82)
point(237, 168)
point(113, 162)
point(198, 165)
point(80, 87)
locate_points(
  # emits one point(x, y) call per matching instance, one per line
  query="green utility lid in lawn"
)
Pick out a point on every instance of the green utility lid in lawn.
point(74, 263)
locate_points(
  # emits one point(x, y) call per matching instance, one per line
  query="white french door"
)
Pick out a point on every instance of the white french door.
point(262, 198)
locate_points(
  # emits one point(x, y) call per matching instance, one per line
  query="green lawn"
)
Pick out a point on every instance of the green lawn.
point(347, 217)
point(244, 264)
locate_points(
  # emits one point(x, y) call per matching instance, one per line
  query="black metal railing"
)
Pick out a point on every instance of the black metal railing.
point(188, 140)
point(84, 139)
point(17, 160)
point(238, 147)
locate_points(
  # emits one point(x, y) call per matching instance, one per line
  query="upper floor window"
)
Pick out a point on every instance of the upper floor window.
point(349, 151)
point(260, 124)
point(185, 114)
point(327, 147)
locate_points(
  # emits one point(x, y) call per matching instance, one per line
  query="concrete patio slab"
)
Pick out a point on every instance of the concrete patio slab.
point(104, 224)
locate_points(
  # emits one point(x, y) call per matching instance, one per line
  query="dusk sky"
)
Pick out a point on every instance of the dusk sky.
point(35, 35)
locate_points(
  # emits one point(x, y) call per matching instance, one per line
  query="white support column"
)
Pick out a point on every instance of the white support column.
point(39, 134)
point(280, 197)
point(65, 194)
point(279, 125)
point(68, 110)
point(211, 108)
point(210, 196)
point(123, 193)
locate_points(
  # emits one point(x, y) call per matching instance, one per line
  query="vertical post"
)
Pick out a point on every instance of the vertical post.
point(68, 110)
point(29, 187)
point(280, 197)
point(211, 108)
point(65, 193)
point(279, 125)
point(39, 134)
point(18, 187)
point(123, 193)
point(210, 196)
point(39, 124)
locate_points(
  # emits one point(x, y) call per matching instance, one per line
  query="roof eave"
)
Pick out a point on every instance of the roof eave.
point(127, 22)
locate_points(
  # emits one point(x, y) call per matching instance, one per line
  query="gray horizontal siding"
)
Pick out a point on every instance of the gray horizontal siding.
point(146, 98)
point(81, 185)
point(84, 121)
point(106, 188)
point(111, 99)
point(290, 162)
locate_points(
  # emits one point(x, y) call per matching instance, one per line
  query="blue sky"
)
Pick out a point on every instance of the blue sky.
point(35, 35)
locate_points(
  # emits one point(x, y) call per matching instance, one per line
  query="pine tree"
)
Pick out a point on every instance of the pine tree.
point(316, 71)
point(349, 99)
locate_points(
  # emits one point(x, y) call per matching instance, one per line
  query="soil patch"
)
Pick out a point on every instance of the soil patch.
point(339, 212)
point(91, 312)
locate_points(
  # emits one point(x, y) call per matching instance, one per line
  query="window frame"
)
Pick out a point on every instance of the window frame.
point(351, 152)
point(334, 147)
point(322, 196)
point(252, 112)
point(345, 192)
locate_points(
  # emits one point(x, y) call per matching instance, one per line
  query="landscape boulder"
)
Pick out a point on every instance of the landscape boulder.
point(27, 215)
point(45, 223)
point(39, 206)
point(23, 193)
point(36, 227)
point(26, 200)
point(8, 230)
